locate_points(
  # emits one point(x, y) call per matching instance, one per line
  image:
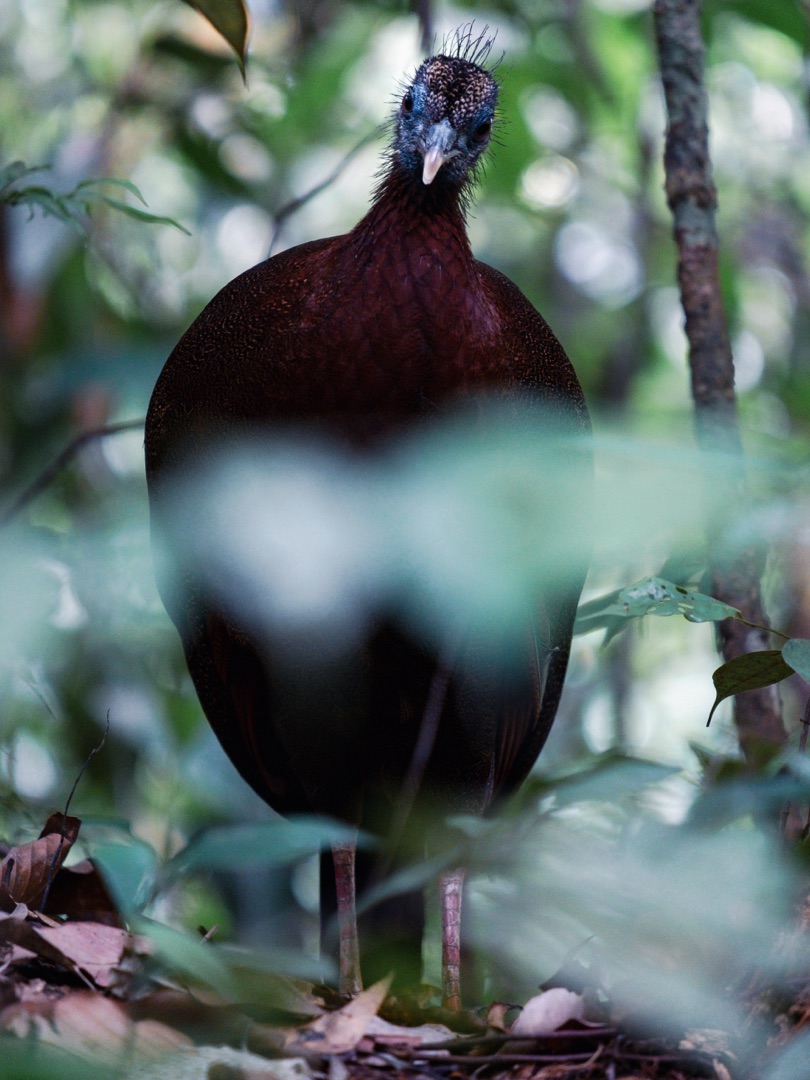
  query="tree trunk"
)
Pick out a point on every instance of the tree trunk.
point(692, 198)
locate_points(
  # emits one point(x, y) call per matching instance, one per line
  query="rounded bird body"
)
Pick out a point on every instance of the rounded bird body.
point(364, 336)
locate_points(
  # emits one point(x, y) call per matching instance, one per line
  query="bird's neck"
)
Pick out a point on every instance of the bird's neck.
point(409, 214)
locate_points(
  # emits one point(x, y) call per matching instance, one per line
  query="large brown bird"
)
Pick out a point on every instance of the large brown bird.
point(366, 335)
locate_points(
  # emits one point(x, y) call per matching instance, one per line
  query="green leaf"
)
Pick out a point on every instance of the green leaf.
point(192, 957)
point(415, 875)
point(609, 777)
point(141, 215)
point(49, 202)
point(796, 652)
point(745, 795)
point(657, 596)
point(229, 18)
point(274, 843)
point(29, 1059)
point(272, 977)
point(15, 171)
point(650, 596)
point(706, 608)
point(749, 672)
point(115, 181)
point(128, 865)
point(71, 206)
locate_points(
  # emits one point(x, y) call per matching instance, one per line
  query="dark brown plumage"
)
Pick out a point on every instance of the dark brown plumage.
point(365, 335)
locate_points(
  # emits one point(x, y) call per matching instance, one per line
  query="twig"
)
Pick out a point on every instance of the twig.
point(50, 472)
point(87, 761)
point(61, 844)
point(301, 200)
point(496, 1059)
point(805, 725)
point(602, 1051)
point(562, 1035)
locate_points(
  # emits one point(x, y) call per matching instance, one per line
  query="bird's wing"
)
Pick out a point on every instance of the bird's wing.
point(234, 692)
point(531, 356)
point(537, 364)
point(526, 715)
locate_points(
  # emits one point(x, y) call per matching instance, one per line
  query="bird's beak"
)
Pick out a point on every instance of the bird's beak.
point(438, 148)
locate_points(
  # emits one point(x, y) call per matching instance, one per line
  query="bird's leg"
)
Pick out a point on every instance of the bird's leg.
point(351, 982)
point(450, 889)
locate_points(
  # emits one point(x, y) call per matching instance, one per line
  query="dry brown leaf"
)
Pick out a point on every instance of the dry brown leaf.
point(383, 1032)
point(25, 870)
point(94, 1026)
point(340, 1031)
point(91, 950)
point(496, 1015)
point(80, 892)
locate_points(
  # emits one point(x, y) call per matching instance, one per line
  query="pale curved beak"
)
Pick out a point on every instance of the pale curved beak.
point(438, 148)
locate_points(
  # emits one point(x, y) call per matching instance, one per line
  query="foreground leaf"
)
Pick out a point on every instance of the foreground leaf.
point(274, 843)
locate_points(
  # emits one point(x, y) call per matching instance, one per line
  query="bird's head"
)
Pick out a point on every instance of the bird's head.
point(444, 119)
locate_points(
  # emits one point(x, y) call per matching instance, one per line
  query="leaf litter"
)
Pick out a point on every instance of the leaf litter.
point(72, 977)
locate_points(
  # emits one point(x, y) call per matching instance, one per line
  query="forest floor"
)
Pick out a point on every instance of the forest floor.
point(77, 988)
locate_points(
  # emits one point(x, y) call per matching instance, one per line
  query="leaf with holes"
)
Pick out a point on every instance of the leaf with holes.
point(698, 607)
point(749, 672)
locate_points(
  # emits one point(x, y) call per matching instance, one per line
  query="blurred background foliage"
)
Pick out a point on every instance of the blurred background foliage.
point(571, 207)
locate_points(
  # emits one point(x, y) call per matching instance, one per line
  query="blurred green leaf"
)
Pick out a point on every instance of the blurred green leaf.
point(749, 672)
point(230, 19)
point(747, 795)
point(274, 843)
point(140, 215)
point(26, 1060)
point(194, 959)
point(787, 18)
point(273, 979)
point(127, 185)
point(416, 875)
point(72, 205)
point(129, 865)
point(796, 652)
point(15, 171)
point(609, 777)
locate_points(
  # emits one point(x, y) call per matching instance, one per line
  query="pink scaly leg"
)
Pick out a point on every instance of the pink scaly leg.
point(450, 889)
point(351, 982)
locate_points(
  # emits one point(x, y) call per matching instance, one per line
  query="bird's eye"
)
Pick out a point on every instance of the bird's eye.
point(482, 130)
point(407, 103)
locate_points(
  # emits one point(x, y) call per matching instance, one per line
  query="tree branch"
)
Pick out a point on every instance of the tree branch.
point(692, 198)
point(50, 472)
point(295, 204)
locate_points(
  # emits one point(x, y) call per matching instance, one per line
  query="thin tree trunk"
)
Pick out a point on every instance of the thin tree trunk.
point(692, 199)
